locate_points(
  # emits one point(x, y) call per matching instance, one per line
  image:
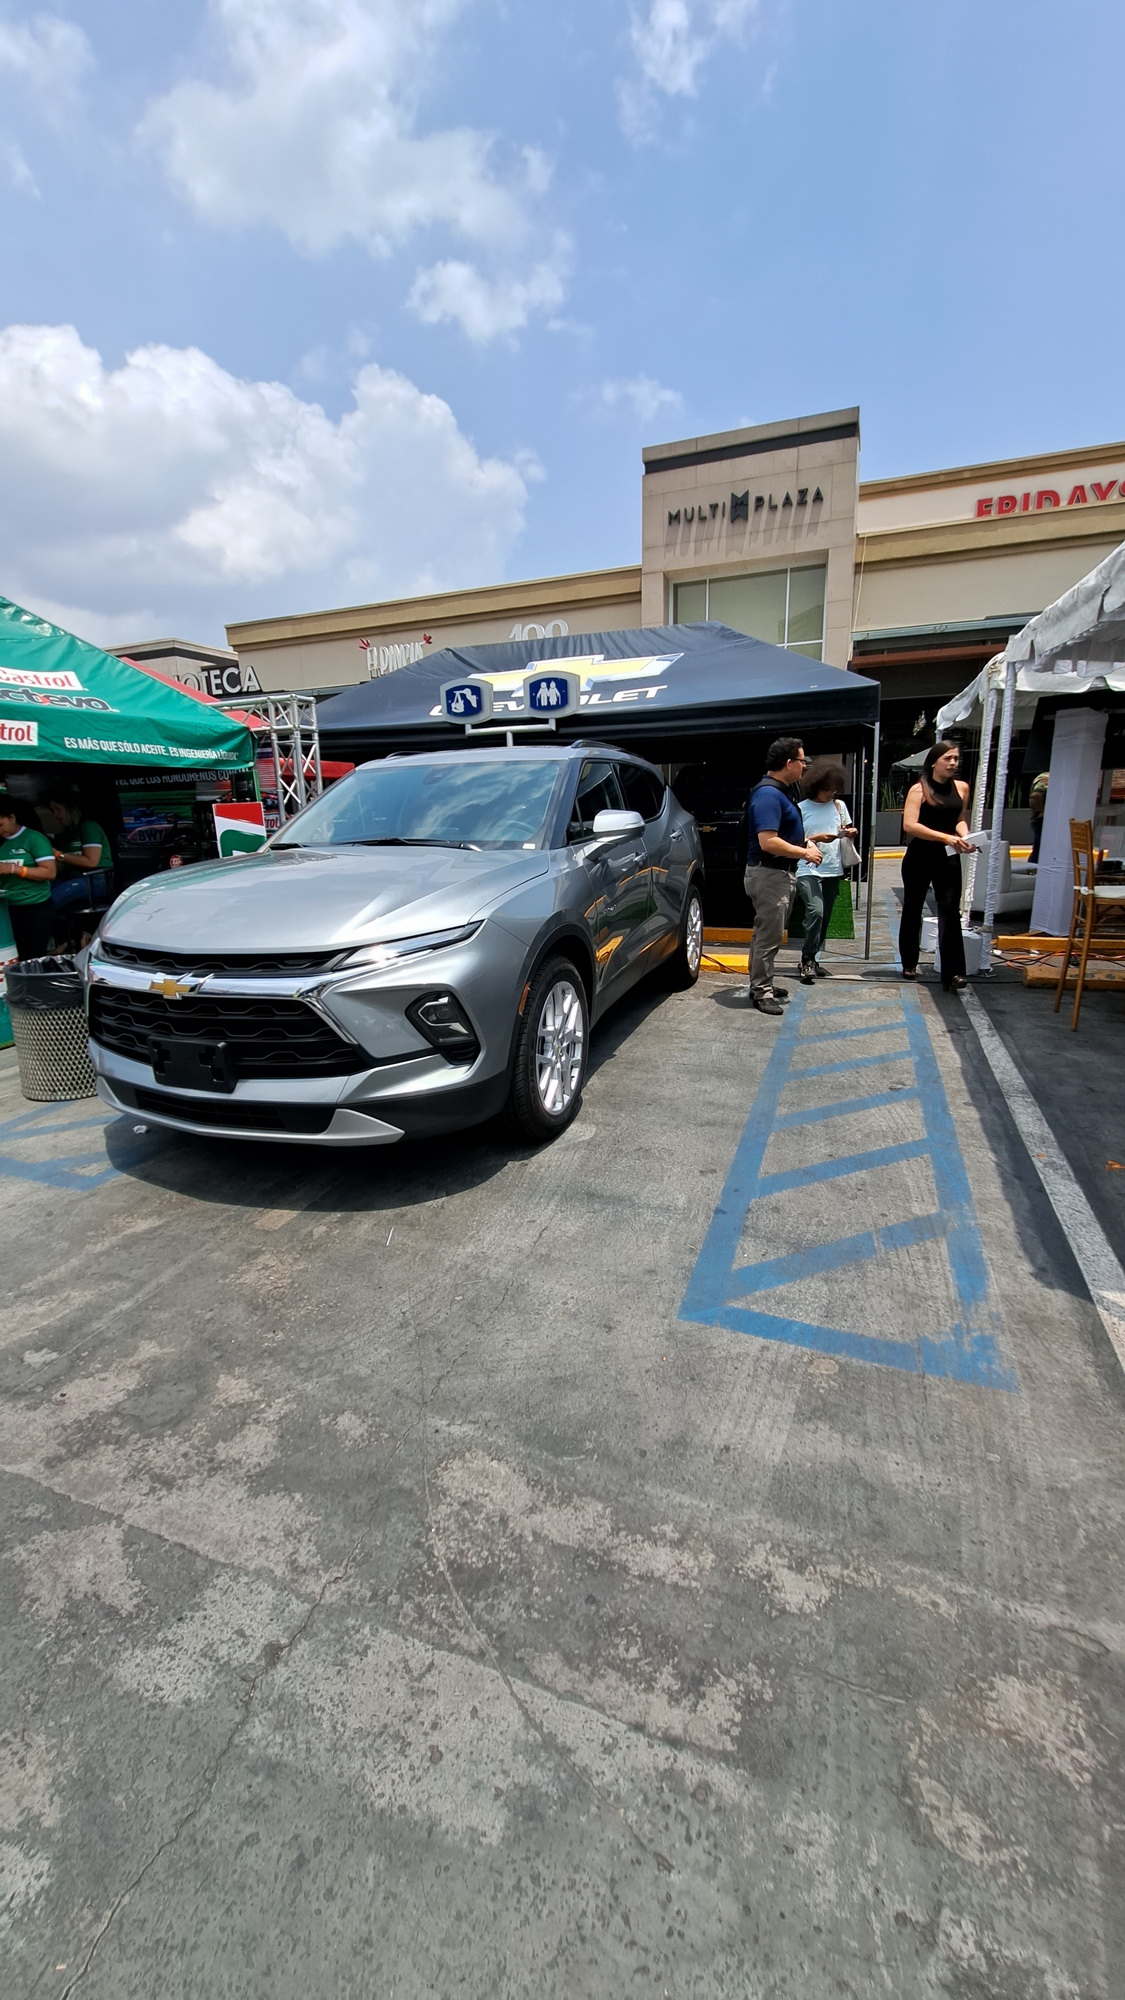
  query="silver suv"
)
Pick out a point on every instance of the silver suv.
point(424, 946)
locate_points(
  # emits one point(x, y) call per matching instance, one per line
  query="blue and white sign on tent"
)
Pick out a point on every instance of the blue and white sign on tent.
point(466, 701)
point(551, 690)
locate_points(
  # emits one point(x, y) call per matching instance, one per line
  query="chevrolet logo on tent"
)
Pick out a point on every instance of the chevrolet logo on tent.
point(173, 989)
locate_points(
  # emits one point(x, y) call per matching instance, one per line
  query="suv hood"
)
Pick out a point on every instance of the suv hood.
point(315, 898)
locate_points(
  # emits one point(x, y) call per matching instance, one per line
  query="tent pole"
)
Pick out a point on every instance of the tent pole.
point(1000, 788)
point(988, 724)
point(871, 841)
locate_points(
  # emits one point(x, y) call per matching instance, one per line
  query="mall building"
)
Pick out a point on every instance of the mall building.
point(914, 581)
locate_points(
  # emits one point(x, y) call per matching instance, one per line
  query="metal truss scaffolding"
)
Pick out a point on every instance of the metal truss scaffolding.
point(285, 725)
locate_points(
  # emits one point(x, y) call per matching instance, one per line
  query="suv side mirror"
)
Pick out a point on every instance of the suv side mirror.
point(613, 825)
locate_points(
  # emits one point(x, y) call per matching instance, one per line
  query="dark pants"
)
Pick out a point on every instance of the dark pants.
point(816, 895)
point(1036, 835)
point(33, 926)
point(926, 865)
point(771, 892)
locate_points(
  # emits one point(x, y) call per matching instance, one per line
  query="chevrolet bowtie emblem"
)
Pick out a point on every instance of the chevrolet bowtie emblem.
point(171, 989)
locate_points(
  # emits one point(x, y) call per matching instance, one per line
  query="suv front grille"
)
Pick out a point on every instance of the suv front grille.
point(265, 1037)
point(235, 965)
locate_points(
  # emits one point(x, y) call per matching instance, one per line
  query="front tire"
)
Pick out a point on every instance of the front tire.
point(684, 964)
point(552, 1044)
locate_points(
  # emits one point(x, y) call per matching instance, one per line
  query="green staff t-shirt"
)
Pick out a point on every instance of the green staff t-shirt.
point(30, 849)
point(89, 834)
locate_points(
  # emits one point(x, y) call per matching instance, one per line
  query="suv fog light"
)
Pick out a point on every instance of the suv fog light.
point(443, 1021)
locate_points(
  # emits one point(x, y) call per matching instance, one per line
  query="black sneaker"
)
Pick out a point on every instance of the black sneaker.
point(807, 974)
point(780, 992)
point(768, 1005)
point(822, 971)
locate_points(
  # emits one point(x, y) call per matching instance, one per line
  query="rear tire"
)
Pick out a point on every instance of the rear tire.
point(552, 1042)
point(684, 964)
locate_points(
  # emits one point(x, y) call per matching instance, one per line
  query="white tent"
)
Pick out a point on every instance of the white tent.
point(1075, 647)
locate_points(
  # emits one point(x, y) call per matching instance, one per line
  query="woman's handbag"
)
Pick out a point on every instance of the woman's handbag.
point(850, 856)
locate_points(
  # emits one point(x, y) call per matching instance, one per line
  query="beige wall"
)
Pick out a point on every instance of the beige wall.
point(777, 459)
point(957, 590)
point(338, 661)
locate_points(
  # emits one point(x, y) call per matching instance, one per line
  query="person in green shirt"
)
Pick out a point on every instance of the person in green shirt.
point(27, 869)
point(80, 844)
point(81, 852)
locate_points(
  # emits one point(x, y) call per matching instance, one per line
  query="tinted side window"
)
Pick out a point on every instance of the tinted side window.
point(644, 793)
point(598, 791)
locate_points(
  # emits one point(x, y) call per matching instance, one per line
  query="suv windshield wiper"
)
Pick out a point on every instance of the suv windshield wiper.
point(396, 840)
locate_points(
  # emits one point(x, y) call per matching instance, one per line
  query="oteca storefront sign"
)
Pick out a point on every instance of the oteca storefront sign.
point(1045, 499)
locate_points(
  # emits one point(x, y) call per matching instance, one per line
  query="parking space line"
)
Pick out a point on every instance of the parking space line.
point(78, 1172)
point(847, 1034)
point(845, 1108)
point(857, 1062)
point(968, 1351)
point(1101, 1271)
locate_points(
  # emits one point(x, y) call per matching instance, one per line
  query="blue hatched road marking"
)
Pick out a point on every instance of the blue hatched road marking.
point(77, 1171)
point(968, 1352)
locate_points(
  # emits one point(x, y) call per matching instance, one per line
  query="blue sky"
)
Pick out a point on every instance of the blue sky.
point(309, 302)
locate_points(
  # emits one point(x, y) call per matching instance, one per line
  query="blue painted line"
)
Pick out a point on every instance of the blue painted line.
point(858, 1249)
point(58, 1173)
point(834, 1170)
point(968, 1352)
point(850, 1034)
point(857, 1006)
point(62, 1170)
point(857, 1062)
point(845, 1107)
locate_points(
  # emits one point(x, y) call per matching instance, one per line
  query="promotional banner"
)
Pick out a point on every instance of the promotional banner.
point(63, 701)
point(239, 829)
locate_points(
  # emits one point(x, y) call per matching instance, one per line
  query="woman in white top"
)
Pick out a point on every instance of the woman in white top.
point(825, 820)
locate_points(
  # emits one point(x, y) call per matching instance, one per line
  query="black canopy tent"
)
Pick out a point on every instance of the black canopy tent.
point(702, 696)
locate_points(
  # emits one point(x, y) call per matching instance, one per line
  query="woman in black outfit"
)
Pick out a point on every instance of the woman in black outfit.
point(934, 818)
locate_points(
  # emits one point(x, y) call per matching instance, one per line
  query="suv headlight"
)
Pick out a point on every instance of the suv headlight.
point(397, 949)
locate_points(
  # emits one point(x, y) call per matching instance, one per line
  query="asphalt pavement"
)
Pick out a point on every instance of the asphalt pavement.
point(683, 1560)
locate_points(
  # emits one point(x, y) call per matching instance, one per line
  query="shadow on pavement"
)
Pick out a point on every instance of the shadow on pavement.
point(243, 1173)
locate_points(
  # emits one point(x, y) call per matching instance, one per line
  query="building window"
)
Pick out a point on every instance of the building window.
point(783, 606)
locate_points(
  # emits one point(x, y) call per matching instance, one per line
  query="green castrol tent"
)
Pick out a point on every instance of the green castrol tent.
point(63, 701)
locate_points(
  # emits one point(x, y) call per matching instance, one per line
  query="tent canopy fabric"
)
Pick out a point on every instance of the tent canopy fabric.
point(652, 684)
point(1074, 647)
point(63, 701)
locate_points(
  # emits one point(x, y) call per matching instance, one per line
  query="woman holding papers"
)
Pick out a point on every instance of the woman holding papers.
point(934, 820)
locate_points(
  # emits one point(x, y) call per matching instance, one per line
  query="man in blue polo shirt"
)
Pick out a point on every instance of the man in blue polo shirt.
point(775, 845)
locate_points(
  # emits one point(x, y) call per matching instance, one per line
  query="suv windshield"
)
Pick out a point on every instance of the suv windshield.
point(472, 803)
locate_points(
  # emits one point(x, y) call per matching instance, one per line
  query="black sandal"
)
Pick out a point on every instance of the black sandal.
point(909, 975)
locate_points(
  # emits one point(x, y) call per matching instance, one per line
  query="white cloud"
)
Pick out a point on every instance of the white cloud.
point(640, 395)
point(670, 44)
point(19, 173)
point(48, 56)
point(169, 494)
point(490, 308)
point(316, 134)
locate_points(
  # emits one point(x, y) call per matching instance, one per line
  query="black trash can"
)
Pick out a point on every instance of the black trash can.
point(49, 1029)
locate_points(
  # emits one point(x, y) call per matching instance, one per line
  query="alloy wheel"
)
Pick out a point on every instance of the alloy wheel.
point(693, 936)
point(559, 1048)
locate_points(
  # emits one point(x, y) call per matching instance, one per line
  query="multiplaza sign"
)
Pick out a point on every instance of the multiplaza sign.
point(764, 503)
point(592, 673)
point(1083, 493)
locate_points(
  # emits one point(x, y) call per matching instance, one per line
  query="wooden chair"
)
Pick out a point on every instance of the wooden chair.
point(1096, 905)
